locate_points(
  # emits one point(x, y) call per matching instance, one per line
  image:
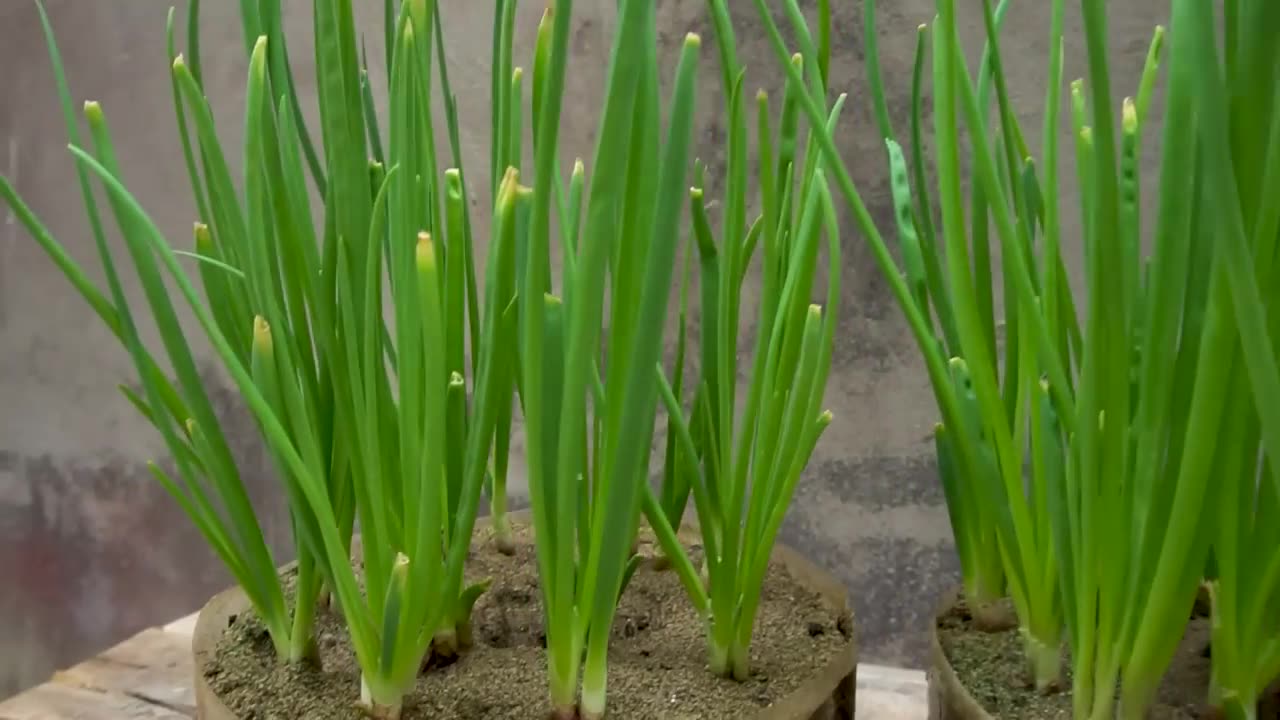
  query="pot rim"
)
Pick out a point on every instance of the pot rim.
point(949, 699)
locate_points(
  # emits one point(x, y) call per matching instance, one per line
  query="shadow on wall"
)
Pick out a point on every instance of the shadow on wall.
point(93, 550)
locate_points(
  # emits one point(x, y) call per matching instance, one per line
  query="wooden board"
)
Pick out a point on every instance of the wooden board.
point(58, 701)
point(148, 677)
point(154, 666)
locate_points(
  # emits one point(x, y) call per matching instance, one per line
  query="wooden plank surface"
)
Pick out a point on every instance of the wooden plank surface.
point(58, 701)
point(148, 677)
point(153, 665)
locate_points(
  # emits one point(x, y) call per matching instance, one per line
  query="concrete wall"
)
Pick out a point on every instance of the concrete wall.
point(91, 549)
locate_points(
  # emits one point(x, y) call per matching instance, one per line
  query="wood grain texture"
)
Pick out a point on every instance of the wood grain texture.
point(58, 701)
point(154, 666)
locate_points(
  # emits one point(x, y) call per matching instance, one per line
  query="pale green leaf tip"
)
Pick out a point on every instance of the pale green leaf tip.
point(693, 41)
point(179, 63)
point(510, 179)
point(939, 429)
point(93, 111)
point(797, 59)
point(695, 193)
point(762, 97)
point(922, 29)
point(453, 174)
point(551, 300)
point(418, 7)
point(204, 238)
point(262, 335)
point(1129, 116)
point(426, 254)
point(815, 311)
point(455, 379)
point(401, 567)
point(260, 46)
point(517, 74)
point(578, 167)
point(191, 427)
point(826, 417)
point(1086, 135)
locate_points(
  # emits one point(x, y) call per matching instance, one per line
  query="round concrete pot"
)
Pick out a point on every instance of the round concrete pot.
point(948, 697)
point(828, 694)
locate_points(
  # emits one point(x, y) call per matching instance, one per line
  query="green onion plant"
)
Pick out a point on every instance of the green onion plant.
point(1224, 73)
point(1179, 375)
point(741, 461)
point(1167, 379)
point(208, 486)
point(1000, 512)
point(588, 432)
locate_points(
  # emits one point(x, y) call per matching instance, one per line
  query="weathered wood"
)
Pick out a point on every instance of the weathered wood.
point(149, 677)
point(184, 626)
point(153, 665)
point(57, 701)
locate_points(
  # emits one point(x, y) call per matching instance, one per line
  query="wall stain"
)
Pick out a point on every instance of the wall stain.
point(94, 550)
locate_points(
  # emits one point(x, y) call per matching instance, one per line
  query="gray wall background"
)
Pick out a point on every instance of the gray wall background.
point(92, 549)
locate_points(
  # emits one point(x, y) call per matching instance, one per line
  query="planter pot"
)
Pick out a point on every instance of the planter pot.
point(948, 697)
point(979, 674)
point(803, 654)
